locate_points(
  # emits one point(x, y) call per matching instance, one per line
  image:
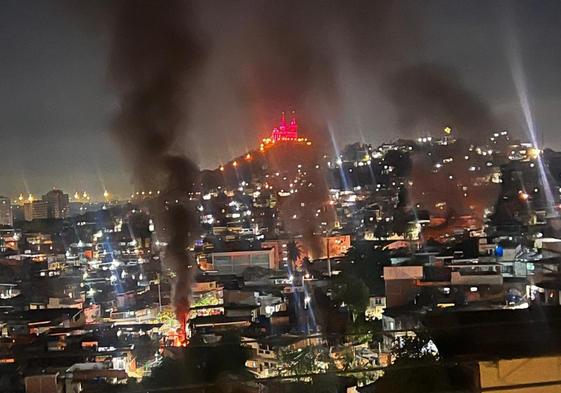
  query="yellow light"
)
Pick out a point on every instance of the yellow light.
point(447, 130)
point(30, 198)
point(106, 194)
point(221, 168)
point(248, 156)
point(235, 163)
point(76, 195)
point(533, 153)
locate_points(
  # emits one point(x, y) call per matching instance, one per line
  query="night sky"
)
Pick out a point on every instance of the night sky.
point(57, 101)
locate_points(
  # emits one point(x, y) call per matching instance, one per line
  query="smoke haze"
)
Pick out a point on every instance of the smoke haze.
point(323, 59)
point(334, 63)
point(155, 57)
point(331, 61)
point(429, 97)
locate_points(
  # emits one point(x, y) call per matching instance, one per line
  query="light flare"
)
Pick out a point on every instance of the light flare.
point(519, 79)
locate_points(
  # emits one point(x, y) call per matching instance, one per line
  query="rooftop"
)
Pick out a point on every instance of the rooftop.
point(496, 334)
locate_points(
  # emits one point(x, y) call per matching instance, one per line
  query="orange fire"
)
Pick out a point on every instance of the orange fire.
point(181, 313)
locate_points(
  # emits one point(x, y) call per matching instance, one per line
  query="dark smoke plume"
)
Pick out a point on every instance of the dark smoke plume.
point(323, 59)
point(155, 57)
point(427, 99)
point(265, 58)
point(303, 212)
point(273, 56)
point(332, 62)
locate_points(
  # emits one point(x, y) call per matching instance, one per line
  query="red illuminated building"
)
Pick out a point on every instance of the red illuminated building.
point(285, 132)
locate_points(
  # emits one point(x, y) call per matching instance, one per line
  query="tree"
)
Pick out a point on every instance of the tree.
point(414, 347)
point(417, 370)
point(400, 161)
point(363, 330)
point(294, 252)
point(364, 261)
point(381, 230)
point(308, 360)
point(401, 221)
point(353, 292)
point(200, 364)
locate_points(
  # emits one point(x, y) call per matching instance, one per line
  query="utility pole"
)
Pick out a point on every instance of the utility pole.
point(328, 259)
point(159, 292)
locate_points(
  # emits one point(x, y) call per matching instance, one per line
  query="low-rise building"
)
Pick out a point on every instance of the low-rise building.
point(235, 262)
point(266, 358)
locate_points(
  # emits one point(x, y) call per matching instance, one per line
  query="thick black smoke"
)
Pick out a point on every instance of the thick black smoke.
point(332, 62)
point(154, 59)
point(323, 59)
point(429, 97)
point(273, 56)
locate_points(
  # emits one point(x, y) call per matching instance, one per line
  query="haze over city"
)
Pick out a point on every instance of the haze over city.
point(58, 102)
point(270, 196)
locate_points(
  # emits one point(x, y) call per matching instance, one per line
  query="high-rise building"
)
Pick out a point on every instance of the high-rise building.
point(58, 203)
point(35, 210)
point(6, 216)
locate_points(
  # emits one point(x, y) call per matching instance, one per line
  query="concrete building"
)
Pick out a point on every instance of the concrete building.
point(460, 282)
point(376, 307)
point(58, 203)
point(35, 210)
point(54, 204)
point(9, 238)
point(235, 262)
point(401, 284)
point(328, 247)
point(206, 295)
point(265, 360)
point(512, 351)
point(525, 374)
point(6, 216)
